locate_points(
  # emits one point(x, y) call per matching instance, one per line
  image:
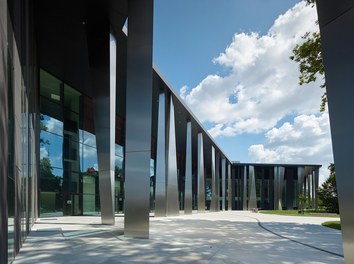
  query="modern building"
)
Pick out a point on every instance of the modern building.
point(88, 126)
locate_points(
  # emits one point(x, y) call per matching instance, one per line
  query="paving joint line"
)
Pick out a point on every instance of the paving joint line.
point(293, 240)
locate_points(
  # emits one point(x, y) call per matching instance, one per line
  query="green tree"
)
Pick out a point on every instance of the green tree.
point(309, 57)
point(328, 191)
point(49, 182)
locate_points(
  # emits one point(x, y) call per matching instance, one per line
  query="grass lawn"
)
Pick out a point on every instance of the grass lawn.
point(332, 224)
point(296, 213)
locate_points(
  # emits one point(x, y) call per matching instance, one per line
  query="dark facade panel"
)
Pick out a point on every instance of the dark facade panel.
point(337, 45)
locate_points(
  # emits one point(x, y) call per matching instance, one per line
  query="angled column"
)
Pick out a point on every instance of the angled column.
point(172, 206)
point(316, 179)
point(223, 183)
point(300, 181)
point(201, 178)
point(244, 193)
point(309, 188)
point(229, 188)
point(278, 186)
point(188, 174)
point(102, 58)
point(336, 21)
point(214, 199)
point(217, 182)
point(4, 119)
point(252, 203)
point(138, 118)
point(160, 186)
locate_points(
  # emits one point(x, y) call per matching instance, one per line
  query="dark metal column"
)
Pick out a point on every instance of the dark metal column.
point(188, 180)
point(201, 177)
point(214, 199)
point(223, 183)
point(160, 188)
point(138, 118)
point(244, 192)
point(336, 21)
point(3, 132)
point(316, 172)
point(229, 188)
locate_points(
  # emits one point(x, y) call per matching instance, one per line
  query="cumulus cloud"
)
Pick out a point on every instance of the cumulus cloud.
point(306, 140)
point(43, 152)
point(261, 86)
point(54, 125)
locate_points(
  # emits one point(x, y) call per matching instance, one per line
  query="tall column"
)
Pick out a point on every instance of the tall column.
point(201, 179)
point(300, 181)
point(316, 178)
point(172, 207)
point(278, 186)
point(336, 21)
point(252, 202)
point(214, 199)
point(309, 188)
point(229, 188)
point(102, 49)
point(313, 188)
point(290, 190)
point(188, 175)
point(160, 186)
point(223, 182)
point(217, 182)
point(244, 193)
point(138, 118)
point(3, 133)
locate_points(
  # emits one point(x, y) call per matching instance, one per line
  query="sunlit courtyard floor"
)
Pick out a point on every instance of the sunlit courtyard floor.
point(223, 237)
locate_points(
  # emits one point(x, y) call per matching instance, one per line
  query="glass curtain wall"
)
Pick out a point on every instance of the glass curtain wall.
point(68, 152)
point(68, 156)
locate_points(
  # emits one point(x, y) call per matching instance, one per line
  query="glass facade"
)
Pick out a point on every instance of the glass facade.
point(68, 152)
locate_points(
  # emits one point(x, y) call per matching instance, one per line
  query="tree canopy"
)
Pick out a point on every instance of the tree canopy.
point(309, 57)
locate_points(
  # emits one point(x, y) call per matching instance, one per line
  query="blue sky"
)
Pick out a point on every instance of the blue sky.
point(229, 61)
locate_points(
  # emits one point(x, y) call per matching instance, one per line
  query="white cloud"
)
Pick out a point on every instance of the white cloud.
point(54, 125)
point(183, 91)
point(43, 152)
point(261, 87)
point(307, 140)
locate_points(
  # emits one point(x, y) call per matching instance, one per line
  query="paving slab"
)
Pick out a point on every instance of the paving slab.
point(222, 237)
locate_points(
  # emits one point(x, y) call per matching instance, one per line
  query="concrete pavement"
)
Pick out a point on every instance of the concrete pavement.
point(224, 237)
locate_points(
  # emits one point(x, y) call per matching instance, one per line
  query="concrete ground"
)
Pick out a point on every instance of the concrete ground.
point(224, 237)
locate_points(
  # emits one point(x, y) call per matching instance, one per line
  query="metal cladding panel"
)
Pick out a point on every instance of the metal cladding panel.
point(188, 177)
point(103, 81)
point(217, 182)
point(252, 203)
point(337, 37)
point(3, 133)
point(300, 178)
point(223, 182)
point(244, 200)
point(201, 177)
point(316, 176)
point(214, 198)
point(160, 188)
point(229, 188)
point(138, 118)
point(309, 188)
point(278, 186)
point(172, 207)
point(137, 196)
